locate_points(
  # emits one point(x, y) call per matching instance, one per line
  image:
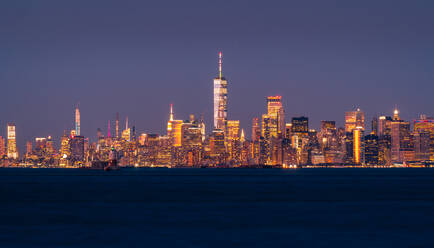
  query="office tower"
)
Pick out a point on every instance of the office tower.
point(49, 146)
point(29, 148)
point(77, 148)
point(12, 143)
point(384, 149)
point(421, 145)
point(256, 131)
point(233, 130)
point(220, 99)
point(64, 147)
point(358, 146)
point(288, 130)
point(134, 133)
point(174, 129)
point(177, 133)
point(424, 124)
point(401, 147)
point(371, 149)
point(77, 121)
point(265, 138)
point(254, 149)
point(40, 146)
point(277, 116)
point(233, 138)
point(384, 125)
point(300, 126)
point(191, 135)
point(354, 119)
point(374, 125)
point(217, 144)
point(2, 147)
point(328, 138)
point(126, 134)
point(117, 126)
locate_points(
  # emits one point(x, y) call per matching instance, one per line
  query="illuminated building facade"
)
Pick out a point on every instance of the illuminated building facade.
point(2, 147)
point(371, 149)
point(424, 124)
point(358, 146)
point(29, 148)
point(77, 148)
point(233, 138)
point(174, 129)
point(217, 145)
point(12, 143)
point(277, 116)
point(256, 131)
point(384, 125)
point(401, 146)
point(354, 119)
point(300, 126)
point(77, 121)
point(220, 99)
point(421, 145)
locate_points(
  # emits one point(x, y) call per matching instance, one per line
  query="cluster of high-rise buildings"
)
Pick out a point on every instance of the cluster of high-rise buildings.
point(274, 142)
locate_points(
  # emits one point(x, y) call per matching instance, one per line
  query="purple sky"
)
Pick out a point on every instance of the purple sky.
point(137, 57)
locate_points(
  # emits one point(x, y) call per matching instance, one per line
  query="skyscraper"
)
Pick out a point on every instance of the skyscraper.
point(371, 149)
point(384, 123)
point(12, 143)
point(77, 148)
point(174, 129)
point(77, 121)
point(300, 126)
point(233, 138)
point(358, 146)
point(277, 116)
point(354, 119)
point(2, 147)
point(220, 99)
point(424, 124)
point(401, 148)
point(256, 131)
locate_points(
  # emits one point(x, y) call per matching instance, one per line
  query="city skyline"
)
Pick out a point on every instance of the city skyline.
point(322, 66)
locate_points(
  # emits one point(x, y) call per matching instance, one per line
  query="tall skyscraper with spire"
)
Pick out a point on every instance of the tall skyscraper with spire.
point(174, 129)
point(77, 121)
point(220, 99)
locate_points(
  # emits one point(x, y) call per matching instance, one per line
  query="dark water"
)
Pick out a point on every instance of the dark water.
point(217, 208)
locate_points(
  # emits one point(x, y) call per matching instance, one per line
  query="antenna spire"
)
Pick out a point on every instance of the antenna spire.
point(171, 112)
point(220, 65)
point(108, 131)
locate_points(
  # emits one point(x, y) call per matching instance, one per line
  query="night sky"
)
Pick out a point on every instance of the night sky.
point(137, 57)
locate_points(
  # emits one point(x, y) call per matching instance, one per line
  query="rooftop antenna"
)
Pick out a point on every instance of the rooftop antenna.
point(220, 65)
